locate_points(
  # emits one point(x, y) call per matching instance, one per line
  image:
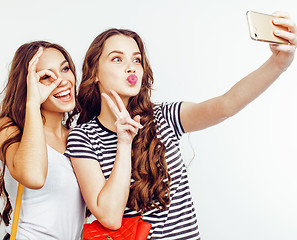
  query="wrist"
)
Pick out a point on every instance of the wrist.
point(276, 65)
point(123, 144)
point(32, 105)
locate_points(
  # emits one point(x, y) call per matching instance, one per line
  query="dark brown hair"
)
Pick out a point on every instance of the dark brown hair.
point(151, 185)
point(13, 106)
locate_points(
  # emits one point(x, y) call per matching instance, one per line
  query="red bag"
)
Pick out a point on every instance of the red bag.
point(133, 228)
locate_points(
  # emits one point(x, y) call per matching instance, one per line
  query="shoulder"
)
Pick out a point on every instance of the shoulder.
point(85, 127)
point(165, 105)
point(7, 129)
point(83, 130)
point(167, 116)
point(167, 108)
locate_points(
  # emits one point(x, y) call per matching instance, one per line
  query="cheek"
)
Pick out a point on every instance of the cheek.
point(46, 82)
point(114, 74)
point(109, 76)
point(71, 78)
point(141, 73)
point(47, 104)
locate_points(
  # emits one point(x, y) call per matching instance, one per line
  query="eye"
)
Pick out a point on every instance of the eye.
point(45, 77)
point(137, 60)
point(116, 59)
point(65, 69)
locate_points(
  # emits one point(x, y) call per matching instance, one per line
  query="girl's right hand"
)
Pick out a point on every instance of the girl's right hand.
point(37, 92)
point(127, 128)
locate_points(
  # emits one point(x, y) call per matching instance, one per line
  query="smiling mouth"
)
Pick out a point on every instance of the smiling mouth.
point(63, 94)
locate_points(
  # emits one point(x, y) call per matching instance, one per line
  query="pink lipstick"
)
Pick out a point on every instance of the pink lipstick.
point(132, 79)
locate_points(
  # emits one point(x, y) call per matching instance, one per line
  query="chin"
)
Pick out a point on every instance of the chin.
point(134, 92)
point(58, 109)
point(68, 109)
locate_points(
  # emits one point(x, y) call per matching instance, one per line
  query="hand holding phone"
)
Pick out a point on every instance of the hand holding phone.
point(261, 28)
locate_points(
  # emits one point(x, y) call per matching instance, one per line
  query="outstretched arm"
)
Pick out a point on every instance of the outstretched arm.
point(197, 116)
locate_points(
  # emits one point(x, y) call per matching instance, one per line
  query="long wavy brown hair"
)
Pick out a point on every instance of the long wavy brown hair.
point(13, 106)
point(151, 185)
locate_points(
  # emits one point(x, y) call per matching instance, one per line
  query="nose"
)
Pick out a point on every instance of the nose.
point(63, 82)
point(130, 69)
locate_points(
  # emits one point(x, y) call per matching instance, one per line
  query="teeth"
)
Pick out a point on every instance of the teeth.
point(62, 94)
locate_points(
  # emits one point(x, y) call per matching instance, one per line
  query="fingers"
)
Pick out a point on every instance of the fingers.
point(281, 14)
point(129, 128)
point(137, 118)
point(283, 19)
point(134, 123)
point(120, 111)
point(33, 62)
point(46, 73)
point(119, 101)
point(284, 22)
point(291, 37)
point(111, 105)
point(54, 84)
point(122, 116)
point(283, 48)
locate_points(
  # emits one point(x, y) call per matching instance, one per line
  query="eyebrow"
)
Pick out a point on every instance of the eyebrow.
point(61, 64)
point(122, 53)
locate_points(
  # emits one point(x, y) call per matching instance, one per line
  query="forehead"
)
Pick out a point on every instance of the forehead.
point(120, 43)
point(50, 58)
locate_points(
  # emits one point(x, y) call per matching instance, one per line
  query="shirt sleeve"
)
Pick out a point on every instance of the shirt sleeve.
point(171, 112)
point(79, 145)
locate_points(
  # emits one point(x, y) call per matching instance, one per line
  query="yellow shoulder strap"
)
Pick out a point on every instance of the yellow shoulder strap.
point(17, 210)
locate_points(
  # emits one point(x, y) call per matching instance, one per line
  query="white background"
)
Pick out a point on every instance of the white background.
point(244, 174)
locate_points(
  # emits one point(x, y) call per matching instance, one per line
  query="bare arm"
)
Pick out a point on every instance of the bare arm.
point(197, 116)
point(27, 160)
point(107, 199)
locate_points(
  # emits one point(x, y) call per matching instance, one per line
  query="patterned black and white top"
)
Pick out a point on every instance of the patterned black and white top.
point(93, 141)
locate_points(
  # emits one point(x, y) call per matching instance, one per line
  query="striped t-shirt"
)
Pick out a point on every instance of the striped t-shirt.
point(93, 141)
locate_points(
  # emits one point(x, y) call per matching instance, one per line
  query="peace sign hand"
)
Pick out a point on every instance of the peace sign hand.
point(36, 91)
point(127, 128)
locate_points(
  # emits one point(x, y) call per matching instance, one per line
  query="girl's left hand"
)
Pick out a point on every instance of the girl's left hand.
point(284, 53)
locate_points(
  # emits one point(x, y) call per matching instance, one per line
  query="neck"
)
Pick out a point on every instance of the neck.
point(53, 123)
point(106, 117)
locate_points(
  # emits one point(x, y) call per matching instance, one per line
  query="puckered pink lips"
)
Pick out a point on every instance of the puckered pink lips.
point(132, 79)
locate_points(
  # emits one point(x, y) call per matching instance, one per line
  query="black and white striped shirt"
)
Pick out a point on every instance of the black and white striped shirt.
point(92, 140)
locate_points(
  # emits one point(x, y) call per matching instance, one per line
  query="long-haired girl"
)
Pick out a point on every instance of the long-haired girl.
point(39, 94)
point(125, 152)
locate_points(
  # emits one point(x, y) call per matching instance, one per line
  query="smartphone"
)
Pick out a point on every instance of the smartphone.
point(261, 28)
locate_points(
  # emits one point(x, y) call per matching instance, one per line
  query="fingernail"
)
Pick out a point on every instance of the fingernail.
point(276, 20)
point(276, 32)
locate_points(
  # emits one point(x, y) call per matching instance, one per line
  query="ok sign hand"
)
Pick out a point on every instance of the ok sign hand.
point(36, 91)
